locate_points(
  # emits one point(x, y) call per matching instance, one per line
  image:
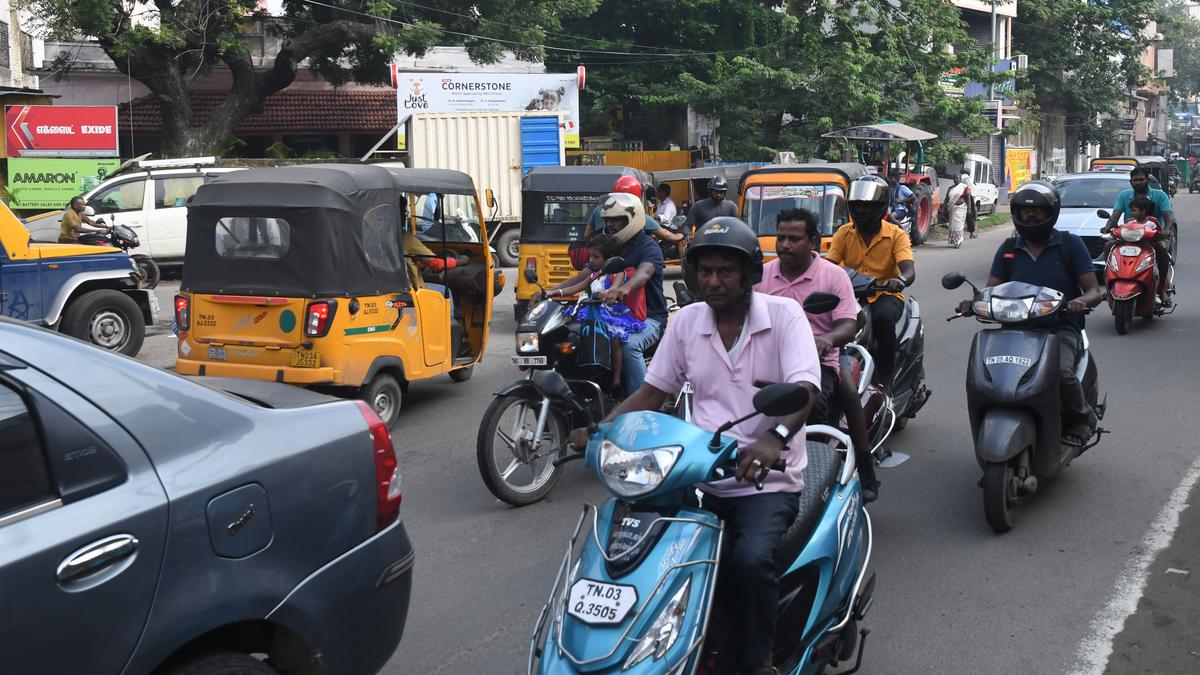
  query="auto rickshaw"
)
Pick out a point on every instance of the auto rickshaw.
point(343, 278)
point(689, 186)
point(820, 188)
point(1164, 175)
point(555, 204)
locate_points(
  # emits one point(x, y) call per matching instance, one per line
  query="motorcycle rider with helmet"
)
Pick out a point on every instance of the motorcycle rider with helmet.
point(716, 206)
point(875, 247)
point(722, 345)
point(1041, 255)
point(630, 185)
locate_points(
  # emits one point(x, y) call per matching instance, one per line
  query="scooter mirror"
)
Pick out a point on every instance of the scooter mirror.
point(821, 303)
point(614, 265)
point(953, 280)
point(781, 399)
point(683, 297)
point(1104, 214)
point(531, 275)
point(551, 384)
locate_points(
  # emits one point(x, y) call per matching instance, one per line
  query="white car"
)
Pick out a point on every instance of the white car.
point(150, 200)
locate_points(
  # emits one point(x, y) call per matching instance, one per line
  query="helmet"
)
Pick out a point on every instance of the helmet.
point(628, 185)
point(869, 199)
point(718, 183)
point(624, 205)
point(1041, 194)
point(727, 233)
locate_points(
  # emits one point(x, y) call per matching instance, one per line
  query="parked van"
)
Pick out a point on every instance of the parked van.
point(985, 190)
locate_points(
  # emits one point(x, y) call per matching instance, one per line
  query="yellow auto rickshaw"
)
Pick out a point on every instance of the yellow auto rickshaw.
point(337, 277)
point(556, 202)
point(820, 188)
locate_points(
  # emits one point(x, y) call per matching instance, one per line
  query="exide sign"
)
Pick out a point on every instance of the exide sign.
point(61, 131)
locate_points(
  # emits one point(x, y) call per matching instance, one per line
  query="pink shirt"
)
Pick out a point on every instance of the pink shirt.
point(821, 276)
point(779, 348)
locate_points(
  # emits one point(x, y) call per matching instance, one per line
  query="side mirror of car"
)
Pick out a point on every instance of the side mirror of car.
point(780, 399)
point(953, 280)
point(821, 303)
point(614, 265)
point(1104, 214)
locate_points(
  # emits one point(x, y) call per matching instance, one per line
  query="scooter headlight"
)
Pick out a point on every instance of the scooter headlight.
point(665, 630)
point(527, 343)
point(1114, 261)
point(1011, 309)
point(1145, 264)
point(633, 474)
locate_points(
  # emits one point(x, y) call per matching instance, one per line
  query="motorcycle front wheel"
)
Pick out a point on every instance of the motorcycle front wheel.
point(151, 275)
point(516, 468)
point(1000, 496)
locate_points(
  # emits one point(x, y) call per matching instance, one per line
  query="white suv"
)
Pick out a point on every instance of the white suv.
point(151, 200)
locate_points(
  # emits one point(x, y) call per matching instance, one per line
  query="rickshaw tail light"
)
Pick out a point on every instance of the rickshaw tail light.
point(183, 314)
point(319, 317)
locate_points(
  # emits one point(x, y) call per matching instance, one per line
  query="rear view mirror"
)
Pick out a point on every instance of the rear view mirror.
point(490, 197)
point(1104, 214)
point(683, 297)
point(614, 265)
point(552, 385)
point(781, 399)
point(953, 280)
point(820, 303)
point(531, 275)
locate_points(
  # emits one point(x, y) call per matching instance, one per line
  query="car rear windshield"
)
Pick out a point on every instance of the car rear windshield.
point(763, 203)
point(253, 237)
point(1090, 193)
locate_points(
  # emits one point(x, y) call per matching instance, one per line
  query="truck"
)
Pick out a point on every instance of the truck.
point(94, 293)
point(496, 149)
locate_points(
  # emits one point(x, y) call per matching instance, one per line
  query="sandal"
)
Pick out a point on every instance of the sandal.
point(1076, 436)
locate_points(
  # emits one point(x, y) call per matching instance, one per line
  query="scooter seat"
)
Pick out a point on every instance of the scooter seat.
point(819, 476)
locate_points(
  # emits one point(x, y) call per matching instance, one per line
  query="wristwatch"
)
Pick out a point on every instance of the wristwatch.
point(781, 432)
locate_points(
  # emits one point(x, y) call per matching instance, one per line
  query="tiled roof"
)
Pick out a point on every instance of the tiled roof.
point(290, 110)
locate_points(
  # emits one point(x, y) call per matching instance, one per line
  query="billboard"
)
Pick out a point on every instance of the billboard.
point(60, 131)
point(477, 92)
point(50, 183)
point(1018, 163)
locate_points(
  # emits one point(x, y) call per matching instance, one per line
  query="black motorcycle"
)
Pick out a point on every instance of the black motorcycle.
point(124, 238)
point(1013, 394)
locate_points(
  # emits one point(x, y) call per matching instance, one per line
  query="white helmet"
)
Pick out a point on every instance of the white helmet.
point(627, 206)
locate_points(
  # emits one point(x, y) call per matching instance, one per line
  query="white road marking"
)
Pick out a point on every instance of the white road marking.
point(1094, 651)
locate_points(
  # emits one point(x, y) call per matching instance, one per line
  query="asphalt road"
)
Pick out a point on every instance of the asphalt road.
point(952, 596)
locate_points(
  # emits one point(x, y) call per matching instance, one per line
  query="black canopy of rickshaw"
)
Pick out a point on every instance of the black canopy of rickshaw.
point(324, 206)
point(558, 185)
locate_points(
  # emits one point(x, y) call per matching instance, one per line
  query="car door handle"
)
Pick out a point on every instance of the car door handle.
point(96, 556)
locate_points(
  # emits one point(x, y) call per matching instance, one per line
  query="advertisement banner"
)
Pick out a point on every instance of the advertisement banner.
point(50, 183)
point(418, 93)
point(1018, 163)
point(60, 131)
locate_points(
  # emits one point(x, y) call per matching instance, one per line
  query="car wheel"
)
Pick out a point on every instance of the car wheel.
point(108, 319)
point(384, 395)
point(508, 247)
point(224, 663)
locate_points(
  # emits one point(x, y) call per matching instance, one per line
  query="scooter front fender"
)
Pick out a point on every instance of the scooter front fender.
point(1124, 289)
point(1003, 434)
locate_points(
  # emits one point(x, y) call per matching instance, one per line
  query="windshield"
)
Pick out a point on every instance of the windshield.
point(763, 203)
point(442, 217)
point(1091, 193)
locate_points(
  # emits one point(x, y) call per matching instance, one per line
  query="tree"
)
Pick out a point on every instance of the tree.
point(165, 43)
point(1181, 33)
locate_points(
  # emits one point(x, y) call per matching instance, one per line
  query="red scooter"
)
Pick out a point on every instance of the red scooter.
point(1131, 274)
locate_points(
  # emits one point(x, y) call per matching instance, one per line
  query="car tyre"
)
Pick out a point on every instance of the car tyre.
point(385, 396)
point(224, 663)
point(508, 247)
point(108, 319)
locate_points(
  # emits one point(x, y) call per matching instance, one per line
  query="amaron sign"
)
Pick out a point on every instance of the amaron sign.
point(49, 183)
point(455, 92)
point(61, 131)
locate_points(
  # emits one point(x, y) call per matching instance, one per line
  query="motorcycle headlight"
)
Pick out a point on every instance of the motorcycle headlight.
point(1011, 309)
point(1145, 263)
point(527, 342)
point(1132, 234)
point(665, 630)
point(633, 474)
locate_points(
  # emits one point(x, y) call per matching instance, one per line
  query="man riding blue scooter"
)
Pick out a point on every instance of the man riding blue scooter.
point(722, 347)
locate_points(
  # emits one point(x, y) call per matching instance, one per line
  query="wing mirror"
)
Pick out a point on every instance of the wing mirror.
point(683, 297)
point(821, 303)
point(614, 265)
point(780, 399)
point(490, 197)
point(953, 280)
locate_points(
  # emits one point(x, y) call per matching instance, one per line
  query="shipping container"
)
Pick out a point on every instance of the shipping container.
point(495, 149)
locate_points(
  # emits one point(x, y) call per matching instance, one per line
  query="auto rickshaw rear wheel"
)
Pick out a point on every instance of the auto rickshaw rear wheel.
point(462, 374)
point(385, 396)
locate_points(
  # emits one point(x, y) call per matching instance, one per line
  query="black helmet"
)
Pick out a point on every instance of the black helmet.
point(869, 199)
point(1039, 194)
point(728, 233)
point(718, 183)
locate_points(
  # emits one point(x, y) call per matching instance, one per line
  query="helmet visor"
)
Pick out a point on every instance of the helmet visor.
point(868, 191)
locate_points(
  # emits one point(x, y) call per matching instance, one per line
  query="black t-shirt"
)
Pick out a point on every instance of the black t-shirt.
point(642, 249)
point(706, 209)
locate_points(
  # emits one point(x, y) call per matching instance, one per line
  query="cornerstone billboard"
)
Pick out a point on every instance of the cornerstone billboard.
point(454, 92)
point(50, 183)
point(60, 131)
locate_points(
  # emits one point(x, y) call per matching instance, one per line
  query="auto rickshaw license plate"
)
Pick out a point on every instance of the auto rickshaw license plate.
point(529, 360)
point(306, 359)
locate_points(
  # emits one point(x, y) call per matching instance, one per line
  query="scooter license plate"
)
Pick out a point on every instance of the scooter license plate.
point(1130, 250)
point(596, 602)
point(529, 360)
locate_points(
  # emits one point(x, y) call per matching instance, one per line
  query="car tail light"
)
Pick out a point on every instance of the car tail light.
point(387, 471)
point(183, 314)
point(318, 317)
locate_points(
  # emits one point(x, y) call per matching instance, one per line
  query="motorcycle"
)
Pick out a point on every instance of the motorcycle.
point(909, 393)
point(1013, 394)
point(1131, 275)
point(1194, 183)
point(635, 590)
point(124, 238)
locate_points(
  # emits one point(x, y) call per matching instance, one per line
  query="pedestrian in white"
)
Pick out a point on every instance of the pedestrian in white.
point(957, 199)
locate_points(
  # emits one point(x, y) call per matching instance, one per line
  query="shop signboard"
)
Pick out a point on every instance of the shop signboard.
point(60, 131)
point(36, 183)
point(1018, 164)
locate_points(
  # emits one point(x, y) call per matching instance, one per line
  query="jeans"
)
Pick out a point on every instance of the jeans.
point(1075, 409)
point(885, 312)
point(633, 355)
point(748, 582)
point(823, 407)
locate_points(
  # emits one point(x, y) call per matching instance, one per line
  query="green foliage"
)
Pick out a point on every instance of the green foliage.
point(1181, 33)
point(279, 151)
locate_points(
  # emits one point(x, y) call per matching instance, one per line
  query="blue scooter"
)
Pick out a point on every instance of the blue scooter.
point(634, 593)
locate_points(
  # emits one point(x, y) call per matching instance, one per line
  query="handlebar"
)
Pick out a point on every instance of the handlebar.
point(729, 469)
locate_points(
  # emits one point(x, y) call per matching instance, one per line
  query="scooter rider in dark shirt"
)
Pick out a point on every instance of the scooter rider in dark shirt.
point(707, 209)
point(1041, 255)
